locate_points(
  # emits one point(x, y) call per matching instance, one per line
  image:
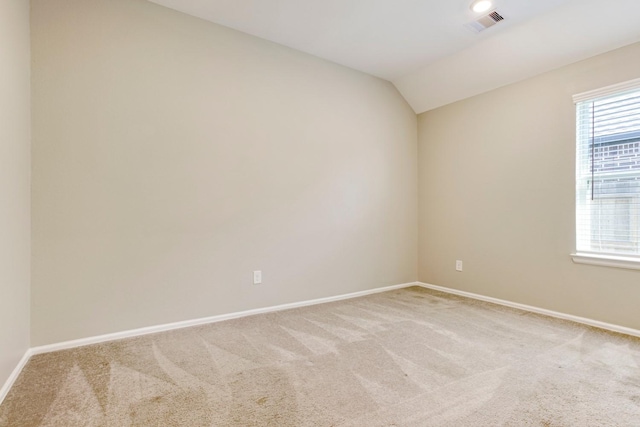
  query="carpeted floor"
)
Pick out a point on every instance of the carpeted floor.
point(412, 357)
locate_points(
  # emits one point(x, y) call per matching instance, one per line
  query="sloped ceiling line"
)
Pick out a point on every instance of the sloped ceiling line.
point(423, 46)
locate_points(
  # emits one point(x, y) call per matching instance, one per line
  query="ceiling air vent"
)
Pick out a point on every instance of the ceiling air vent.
point(485, 22)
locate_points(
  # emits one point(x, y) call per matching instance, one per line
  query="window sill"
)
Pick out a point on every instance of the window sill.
point(606, 260)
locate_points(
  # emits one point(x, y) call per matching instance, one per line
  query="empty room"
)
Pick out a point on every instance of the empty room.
point(319, 213)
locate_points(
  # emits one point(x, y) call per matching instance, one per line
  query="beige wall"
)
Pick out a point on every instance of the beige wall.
point(171, 157)
point(14, 184)
point(496, 185)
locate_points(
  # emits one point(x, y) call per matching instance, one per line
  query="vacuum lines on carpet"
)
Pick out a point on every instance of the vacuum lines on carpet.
point(409, 357)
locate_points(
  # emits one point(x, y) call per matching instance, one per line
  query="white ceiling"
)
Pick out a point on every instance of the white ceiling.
point(423, 47)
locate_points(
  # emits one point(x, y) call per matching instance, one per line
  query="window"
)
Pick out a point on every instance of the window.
point(608, 175)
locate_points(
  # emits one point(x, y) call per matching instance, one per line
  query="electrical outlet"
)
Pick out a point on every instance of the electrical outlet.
point(257, 277)
point(458, 265)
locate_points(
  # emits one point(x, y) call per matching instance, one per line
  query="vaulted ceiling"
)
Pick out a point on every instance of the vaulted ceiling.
point(424, 47)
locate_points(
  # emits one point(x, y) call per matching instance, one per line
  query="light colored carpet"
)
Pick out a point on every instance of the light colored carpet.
point(412, 357)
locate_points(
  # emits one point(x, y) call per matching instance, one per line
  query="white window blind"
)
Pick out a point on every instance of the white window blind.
point(608, 171)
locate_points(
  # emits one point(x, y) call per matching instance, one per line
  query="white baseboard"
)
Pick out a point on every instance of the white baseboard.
point(213, 319)
point(551, 313)
point(14, 375)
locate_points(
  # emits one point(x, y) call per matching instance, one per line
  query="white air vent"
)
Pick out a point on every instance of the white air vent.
point(485, 22)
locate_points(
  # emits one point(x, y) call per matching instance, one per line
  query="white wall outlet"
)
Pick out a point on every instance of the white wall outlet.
point(458, 265)
point(257, 277)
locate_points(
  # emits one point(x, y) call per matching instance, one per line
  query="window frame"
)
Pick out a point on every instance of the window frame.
point(592, 257)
